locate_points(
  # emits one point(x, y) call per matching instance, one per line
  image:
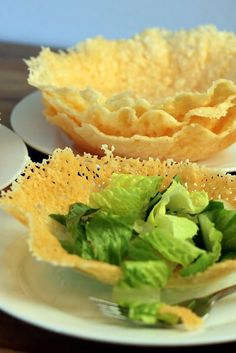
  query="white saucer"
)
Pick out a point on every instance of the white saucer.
point(13, 156)
point(28, 121)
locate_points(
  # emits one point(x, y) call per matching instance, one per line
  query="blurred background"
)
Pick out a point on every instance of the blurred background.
point(64, 23)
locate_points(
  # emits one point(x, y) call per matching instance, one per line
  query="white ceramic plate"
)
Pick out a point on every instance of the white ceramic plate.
point(27, 120)
point(13, 156)
point(58, 299)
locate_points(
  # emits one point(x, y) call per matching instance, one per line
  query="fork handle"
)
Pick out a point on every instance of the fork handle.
point(224, 292)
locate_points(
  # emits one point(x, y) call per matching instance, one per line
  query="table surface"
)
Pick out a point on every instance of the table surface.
point(15, 335)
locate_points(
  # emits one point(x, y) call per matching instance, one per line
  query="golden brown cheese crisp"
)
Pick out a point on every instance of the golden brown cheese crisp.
point(159, 94)
point(53, 185)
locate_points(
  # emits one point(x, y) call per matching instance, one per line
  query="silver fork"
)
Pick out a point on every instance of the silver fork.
point(200, 306)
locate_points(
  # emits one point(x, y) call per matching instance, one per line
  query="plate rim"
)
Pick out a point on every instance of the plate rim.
point(56, 133)
point(16, 307)
point(23, 157)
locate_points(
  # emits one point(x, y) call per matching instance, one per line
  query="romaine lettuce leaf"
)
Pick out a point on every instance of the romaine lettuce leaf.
point(140, 250)
point(214, 205)
point(140, 274)
point(148, 313)
point(178, 227)
point(74, 222)
point(211, 236)
point(151, 183)
point(127, 195)
point(225, 221)
point(177, 199)
point(212, 243)
point(75, 235)
point(174, 249)
point(95, 234)
point(108, 236)
point(228, 255)
point(60, 218)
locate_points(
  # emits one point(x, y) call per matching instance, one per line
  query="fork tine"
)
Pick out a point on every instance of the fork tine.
point(109, 308)
point(103, 301)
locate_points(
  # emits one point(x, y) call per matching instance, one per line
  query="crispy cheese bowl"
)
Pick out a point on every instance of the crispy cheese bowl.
point(53, 185)
point(159, 94)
